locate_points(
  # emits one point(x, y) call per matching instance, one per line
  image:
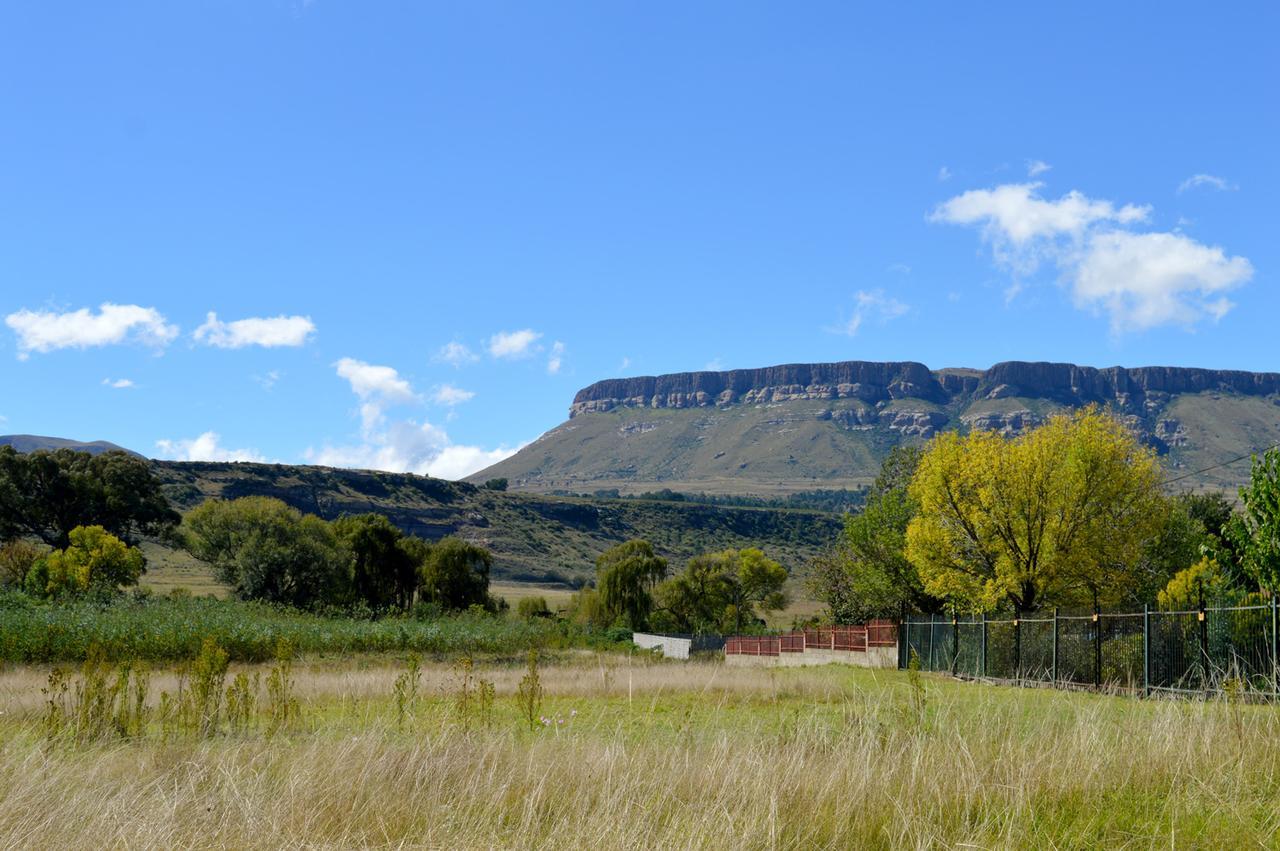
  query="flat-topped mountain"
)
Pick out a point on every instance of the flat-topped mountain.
point(804, 426)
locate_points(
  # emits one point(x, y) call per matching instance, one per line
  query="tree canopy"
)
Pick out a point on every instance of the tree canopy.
point(455, 575)
point(94, 559)
point(721, 592)
point(626, 576)
point(266, 550)
point(1061, 514)
point(47, 494)
point(382, 571)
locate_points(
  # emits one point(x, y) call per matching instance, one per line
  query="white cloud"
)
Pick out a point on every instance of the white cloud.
point(1035, 167)
point(378, 388)
point(1209, 180)
point(944, 174)
point(411, 447)
point(513, 344)
point(447, 394)
point(1015, 214)
point(556, 359)
point(269, 380)
point(873, 304)
point(626, 362)
point(268, 332)
point(46, 330)
point(456, 353)
point(206, 447)
point(1139, 279)
point(118, 384)
point(714, 365)
point(1147, 279)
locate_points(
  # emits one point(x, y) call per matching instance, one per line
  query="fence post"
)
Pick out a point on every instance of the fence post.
point(1146, 650)
point(1017, 646)
point(1097, 649)
point(1203, 616)
point(984, 645)
point(1055, 645)
point(1275, 648)
point(955, 642)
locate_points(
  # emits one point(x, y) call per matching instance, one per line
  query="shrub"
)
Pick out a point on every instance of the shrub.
point(95, 560)
point(533, 607)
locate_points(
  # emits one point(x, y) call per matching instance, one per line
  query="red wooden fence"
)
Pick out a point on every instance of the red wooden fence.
point(877, 633)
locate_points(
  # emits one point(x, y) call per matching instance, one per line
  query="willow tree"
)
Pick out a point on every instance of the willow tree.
point(626, 576)
point(1060, 515)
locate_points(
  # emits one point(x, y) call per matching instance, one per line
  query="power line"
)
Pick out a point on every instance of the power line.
point(1248, 454)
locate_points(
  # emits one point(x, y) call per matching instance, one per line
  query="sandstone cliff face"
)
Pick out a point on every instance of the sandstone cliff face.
point(1139, 390)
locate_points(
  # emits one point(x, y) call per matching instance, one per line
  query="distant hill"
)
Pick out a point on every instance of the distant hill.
point(805, 426)
point(32, 442)
point(533, 538)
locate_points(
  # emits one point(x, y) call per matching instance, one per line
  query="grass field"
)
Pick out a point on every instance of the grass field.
point(657, 755)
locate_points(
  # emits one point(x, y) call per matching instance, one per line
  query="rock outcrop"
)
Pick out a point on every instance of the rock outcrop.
point(1139, 389)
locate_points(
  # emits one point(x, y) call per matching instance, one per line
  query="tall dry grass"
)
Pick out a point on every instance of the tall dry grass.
point(668, 756)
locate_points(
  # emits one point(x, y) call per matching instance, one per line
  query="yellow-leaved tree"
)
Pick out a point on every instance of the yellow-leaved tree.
point(1060, 515)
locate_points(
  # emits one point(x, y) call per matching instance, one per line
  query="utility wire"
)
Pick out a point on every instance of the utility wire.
point(1249, 454)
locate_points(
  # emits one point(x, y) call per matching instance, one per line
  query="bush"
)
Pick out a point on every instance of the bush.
point(533, 607)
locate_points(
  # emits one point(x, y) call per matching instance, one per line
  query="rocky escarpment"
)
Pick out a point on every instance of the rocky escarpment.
point(1138, 390)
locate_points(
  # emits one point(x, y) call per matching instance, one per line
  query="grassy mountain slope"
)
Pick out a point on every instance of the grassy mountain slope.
point(533, 538)
point(783, 429)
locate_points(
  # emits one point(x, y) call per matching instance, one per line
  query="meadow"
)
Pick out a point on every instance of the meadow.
point(630, 752)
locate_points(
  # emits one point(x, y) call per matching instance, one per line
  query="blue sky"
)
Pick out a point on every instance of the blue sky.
point(422, 227)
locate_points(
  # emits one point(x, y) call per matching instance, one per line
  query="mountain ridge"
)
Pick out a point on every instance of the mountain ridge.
point(792, 427)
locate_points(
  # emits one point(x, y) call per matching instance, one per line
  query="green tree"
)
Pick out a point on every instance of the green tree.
point(456, 575)
point(868, 574)
point(529, 608)
point(47, 494)
point(1060, 515)
point(266, 550)
point(496, 484)
point(625, 578)
point(382, 571)
point(1255, 532)
point(722, 592)
point(93, 560)
point(16, 560)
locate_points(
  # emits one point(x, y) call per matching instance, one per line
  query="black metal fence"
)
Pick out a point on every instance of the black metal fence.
point(1145, 652)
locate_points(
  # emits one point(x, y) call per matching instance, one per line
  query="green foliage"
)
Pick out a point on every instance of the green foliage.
point(627, 575)
point(160, 629)
point(382, 570)
point(456, 575)
point(1186, 588)
point(721, 592)
point(1255, 533)
point(529, 692)
point(105, 702)
point(200, 704)
point(405, 690)
point(1063, 514)
point(47, 494)
point(16, 560)
point(587, 609)
point(266, 550)
point(533, 607)
point(496, 484)
point(93, 560)
point(283, 710)
point(868, 574)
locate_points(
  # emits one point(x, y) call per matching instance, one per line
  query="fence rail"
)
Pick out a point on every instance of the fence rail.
point(1142, 652)
point(877, 633)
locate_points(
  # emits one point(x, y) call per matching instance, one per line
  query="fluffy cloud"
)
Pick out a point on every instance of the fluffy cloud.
point(457, 354)
point(206, 447)
point(1015, 214)
point(118, 383)
point(875, 305)
point(514, 344)
point(1147, 279)
point(1208, 180)
point(268, 332)
point(410, 447)
point(1139, 279)
point(378, 387)
point(46, 330)
point(447, 394)
point(556, 359)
